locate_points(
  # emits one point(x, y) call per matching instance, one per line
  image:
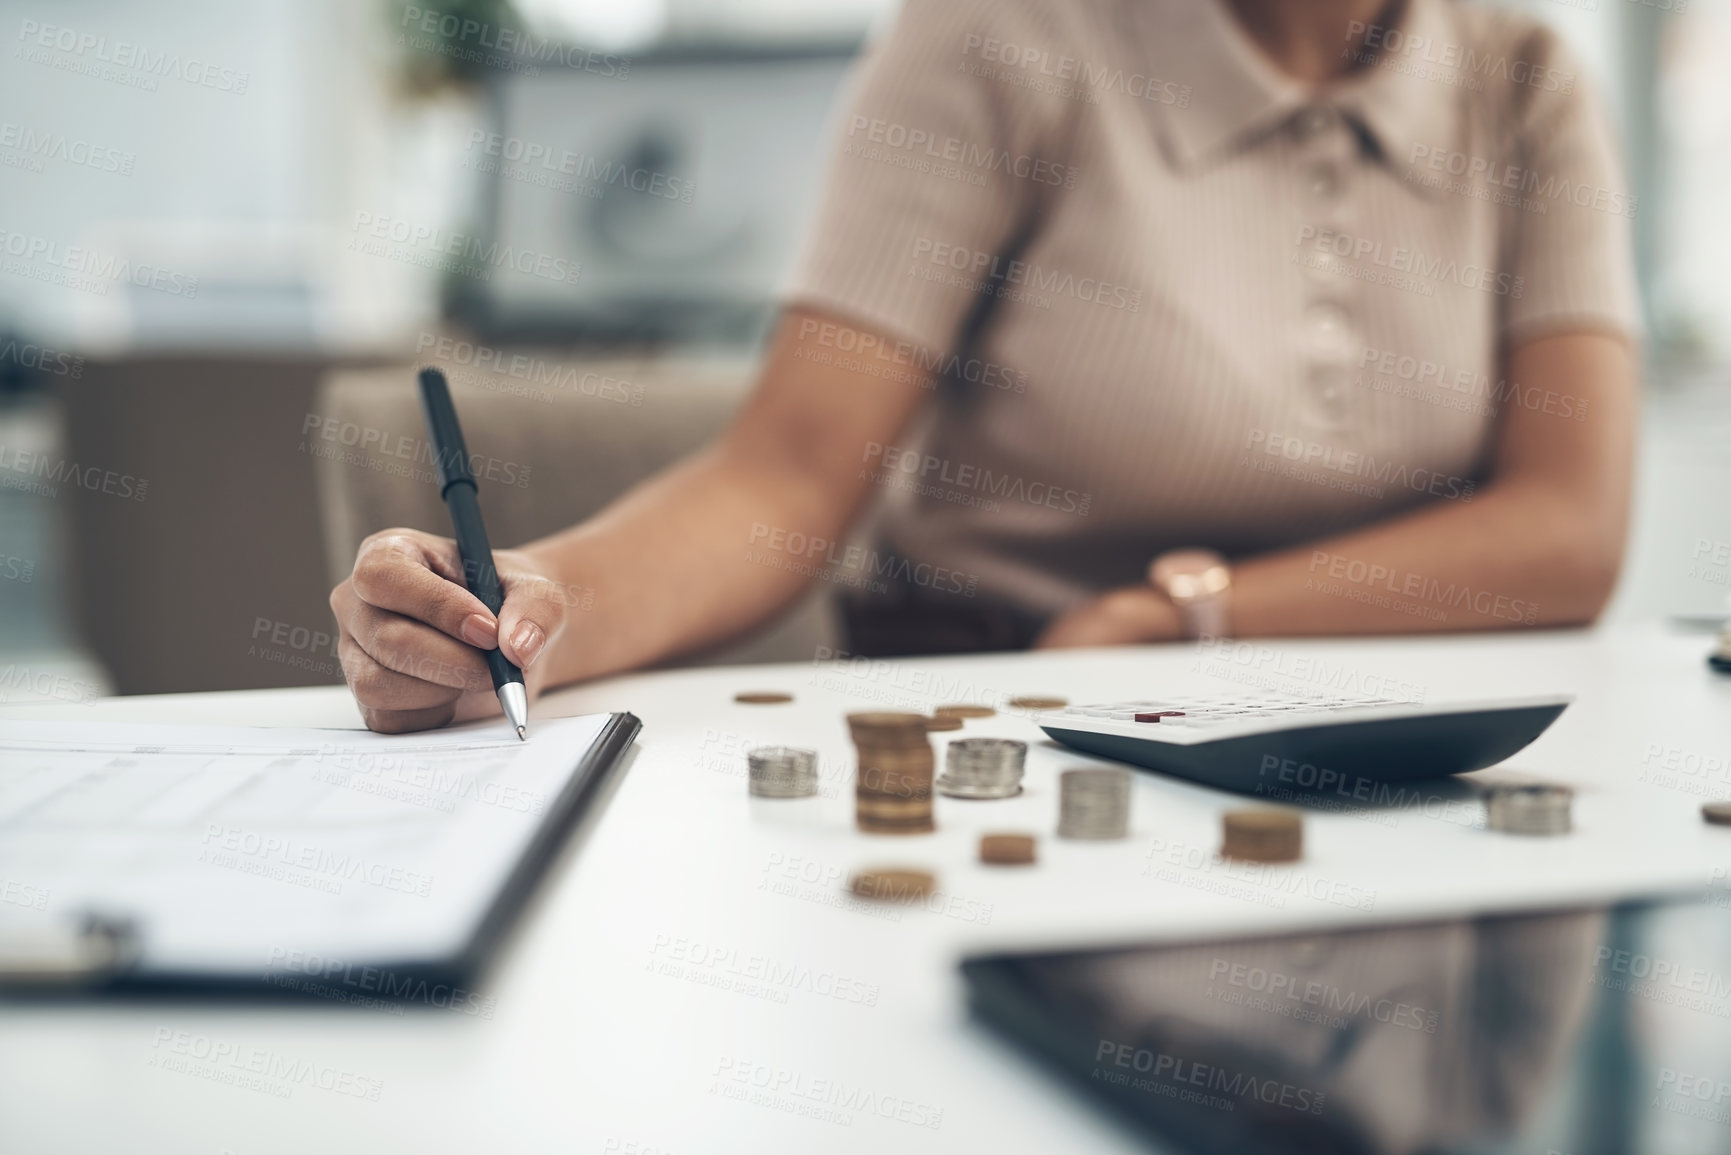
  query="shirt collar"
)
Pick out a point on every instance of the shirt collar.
point(1409, 99)
point(1236, 96)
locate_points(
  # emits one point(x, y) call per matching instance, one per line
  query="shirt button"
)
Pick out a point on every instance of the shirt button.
point(1312, 123)
point(1320, 180)
point(1327, 326)
point(1328, 394)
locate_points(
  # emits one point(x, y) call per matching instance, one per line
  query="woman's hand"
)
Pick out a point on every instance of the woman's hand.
point(410, 634)
point(1123, 617)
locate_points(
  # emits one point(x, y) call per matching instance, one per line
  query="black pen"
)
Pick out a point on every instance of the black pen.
point(457, 487)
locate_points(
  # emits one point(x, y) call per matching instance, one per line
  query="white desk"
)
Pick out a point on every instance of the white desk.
point(611, 1026)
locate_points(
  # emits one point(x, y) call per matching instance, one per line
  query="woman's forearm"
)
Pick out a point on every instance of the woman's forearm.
point(718, 543)
point(1513, 556)
point(1540, 545)
point(1510, 558)
point(692, 557)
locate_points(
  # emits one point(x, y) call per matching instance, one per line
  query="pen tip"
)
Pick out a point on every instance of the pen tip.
point(522, 733)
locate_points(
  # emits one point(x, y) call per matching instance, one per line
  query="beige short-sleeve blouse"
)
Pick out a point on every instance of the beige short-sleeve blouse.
point(1180, 300)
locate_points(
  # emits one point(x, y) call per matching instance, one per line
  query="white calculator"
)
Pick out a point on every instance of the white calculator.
point(1254, 742)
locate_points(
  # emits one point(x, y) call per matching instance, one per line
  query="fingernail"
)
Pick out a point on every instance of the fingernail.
point(480, 631)
point(527, 641)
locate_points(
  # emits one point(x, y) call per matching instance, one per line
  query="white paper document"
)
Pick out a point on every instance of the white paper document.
point(237, 850)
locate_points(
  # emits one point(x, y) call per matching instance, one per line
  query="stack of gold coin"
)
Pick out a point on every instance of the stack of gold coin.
point(1262, 836)
point(1094, 802)
point(1529, 809)
point(943, 722)
point(983, 768)
point(782, 772)
point(964, 710)
point(893, 791)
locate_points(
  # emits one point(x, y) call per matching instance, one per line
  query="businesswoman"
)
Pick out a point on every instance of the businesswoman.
point(1129, 320)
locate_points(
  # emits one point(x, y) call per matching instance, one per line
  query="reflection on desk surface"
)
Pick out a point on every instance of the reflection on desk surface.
point(1577, 1032)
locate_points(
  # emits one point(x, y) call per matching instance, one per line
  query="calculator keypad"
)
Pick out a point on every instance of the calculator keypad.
point(1205, 712)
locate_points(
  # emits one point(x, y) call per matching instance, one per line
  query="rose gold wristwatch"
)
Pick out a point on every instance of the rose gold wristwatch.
point(1198, 581)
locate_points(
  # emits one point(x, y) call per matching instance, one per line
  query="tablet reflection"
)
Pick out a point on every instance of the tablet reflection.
point(1382, 1041)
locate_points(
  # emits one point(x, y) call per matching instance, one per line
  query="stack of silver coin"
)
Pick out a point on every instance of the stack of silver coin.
point(1529, 809)
point(1094, 802)
point(983, 768)
point(782, 772)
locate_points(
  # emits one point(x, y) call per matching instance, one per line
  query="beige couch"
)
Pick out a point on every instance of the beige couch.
point(555, 440)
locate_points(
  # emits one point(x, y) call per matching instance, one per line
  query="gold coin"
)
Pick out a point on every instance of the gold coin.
point(875, 783)
point(1007, 849)
point(894, 815)
point(909, 758)
point(763, 697)
point(887, 728)
point(893, 884)
point(964, 710)
point(866, 826)
point(1718, 813)
point(943, 722)
point(1036, 703)
point(1262, 836)
point(883, 720)
point(894, 771)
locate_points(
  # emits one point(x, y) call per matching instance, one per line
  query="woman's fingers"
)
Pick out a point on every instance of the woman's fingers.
point(407, 572)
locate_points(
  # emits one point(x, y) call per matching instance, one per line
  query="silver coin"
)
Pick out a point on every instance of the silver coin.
point(782, 772)
point(1529, 809)
point(983, 768)
point(1094, 803)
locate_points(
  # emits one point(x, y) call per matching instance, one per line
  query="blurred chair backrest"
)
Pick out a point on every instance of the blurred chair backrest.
point(548, 448)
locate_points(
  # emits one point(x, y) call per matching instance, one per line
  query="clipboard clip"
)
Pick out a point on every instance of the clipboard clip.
point(88, 952)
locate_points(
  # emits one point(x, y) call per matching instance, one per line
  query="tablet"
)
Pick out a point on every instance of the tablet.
point(1592, 1029)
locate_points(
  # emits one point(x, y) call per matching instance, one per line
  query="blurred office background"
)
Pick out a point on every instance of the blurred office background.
point(225, 227)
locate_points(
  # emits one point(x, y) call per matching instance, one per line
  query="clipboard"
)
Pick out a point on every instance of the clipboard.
point(512, 815)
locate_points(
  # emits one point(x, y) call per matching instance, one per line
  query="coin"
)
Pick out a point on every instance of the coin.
point(943, 722)
point(763, 697)
point(1038, 703)
point(886, 726)
point(983, 768)
point(1007, 849)
point(1094, 803)
point(1529, 809)
point(782, 772)
point(1262, 835)
point(893, 884)
point(964, 710)
point(1718, 813)
point(893, 784)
